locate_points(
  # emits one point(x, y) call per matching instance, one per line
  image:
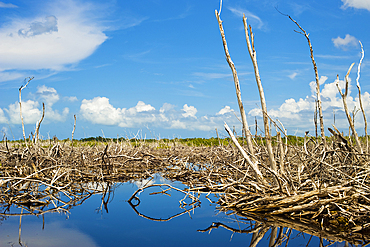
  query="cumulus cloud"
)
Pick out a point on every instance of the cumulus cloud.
point(32, 109)
point(346, 42)
point(225, 110)
point(300, 112)
point(48, 94)
point(166, 107)
point(30, 112)
point(357, 4)
point(142, 107)
point(189, 111)
point(99, 111)
point(51, 42)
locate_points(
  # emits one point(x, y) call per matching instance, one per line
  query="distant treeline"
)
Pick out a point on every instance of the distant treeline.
point(197, 142)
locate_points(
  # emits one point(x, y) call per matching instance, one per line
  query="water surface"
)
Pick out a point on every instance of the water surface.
point(109, 220)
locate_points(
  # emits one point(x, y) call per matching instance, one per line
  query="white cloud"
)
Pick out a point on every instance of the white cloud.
point(166, 107)
point(30, 112)
point(71, 98)
point(224, 110)
point(7, 5)
point(250, 16)
point(9, 76)
point(32, 109)
point(2, 116)
point(189, 111)
point(345, 43)
point(312, 84)
point(100, 111)
point(47, 94)
point(293, 75)
point(300, 113)
point(50, 42)
point(142, 107)
point(177, 124)
point(357, 4)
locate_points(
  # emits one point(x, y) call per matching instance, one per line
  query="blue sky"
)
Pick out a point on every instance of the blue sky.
point(157, 68)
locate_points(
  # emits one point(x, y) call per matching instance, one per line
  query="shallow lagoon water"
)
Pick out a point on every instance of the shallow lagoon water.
point(117, 224)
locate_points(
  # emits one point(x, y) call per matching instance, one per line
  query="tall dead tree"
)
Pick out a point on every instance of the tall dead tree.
point(237, 86)
point(359, 95)
point(344, 98)
point(20, 106)
point(303, 32)
point(252, 52)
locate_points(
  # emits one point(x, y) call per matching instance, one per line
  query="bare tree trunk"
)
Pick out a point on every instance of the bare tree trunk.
point(73, 131)
point(39, 123)
point(317, 81)
point(359, 95)
point(237, 87)
point(20, 107)
point(252, 52)
point(252, 163)
point(344, 98)
point(281, 152)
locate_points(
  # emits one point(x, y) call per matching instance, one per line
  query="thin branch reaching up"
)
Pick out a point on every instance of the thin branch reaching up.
point(20, 106)
point(344, 98)
point(237, 87)
point(73, 131)
point(39, 123)
point(303, 32)
point(359, 94)
point(219, 12)
point(252, 52)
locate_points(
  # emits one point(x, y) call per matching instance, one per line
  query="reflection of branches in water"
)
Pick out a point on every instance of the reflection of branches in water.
point(194, 204)
point(281, 231)
point(106, 197)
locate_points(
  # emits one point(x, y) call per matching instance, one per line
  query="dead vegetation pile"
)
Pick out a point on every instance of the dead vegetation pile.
point(325, 190)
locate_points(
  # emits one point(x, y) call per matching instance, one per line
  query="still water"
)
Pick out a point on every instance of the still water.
point(158, 220)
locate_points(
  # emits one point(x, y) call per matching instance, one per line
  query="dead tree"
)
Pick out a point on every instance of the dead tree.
point(237, 87)
point(344, 99)
point(252, 52)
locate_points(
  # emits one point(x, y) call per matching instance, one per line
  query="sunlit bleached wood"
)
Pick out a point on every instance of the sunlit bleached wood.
point(318, 94)
point(20, 107)
point(252, 163)
point(237, 87)
point(281, 152)
point(252, 52)
point(74, 128)
point(359, 95)
point(273, 235)
point(345, 106)
point(39, 123)
point(286, 136)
